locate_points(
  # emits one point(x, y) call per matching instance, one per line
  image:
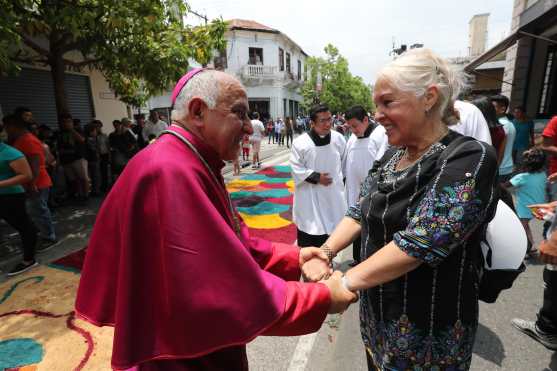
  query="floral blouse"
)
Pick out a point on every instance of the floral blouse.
point(435, 211)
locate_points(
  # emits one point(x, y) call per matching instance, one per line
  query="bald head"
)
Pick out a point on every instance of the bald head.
point(209, 86)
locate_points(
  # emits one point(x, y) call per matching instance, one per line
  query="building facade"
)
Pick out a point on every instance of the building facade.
point(477, 34)
point(530, 74)
point(268, 63)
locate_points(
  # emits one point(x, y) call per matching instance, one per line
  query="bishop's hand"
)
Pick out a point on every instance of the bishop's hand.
point(341, 298)
point(316, 268)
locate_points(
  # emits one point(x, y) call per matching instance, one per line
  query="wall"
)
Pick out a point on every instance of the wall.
point(518, 8)
point(107, 106)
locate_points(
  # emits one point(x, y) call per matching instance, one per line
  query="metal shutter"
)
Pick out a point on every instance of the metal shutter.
point(34, 89)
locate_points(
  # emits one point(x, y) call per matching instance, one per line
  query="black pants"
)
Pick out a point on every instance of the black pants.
point(547, 316)
point(13, 211)
point(289, 138)
point(306, 240)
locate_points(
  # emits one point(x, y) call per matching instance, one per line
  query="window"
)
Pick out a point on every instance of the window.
point(548, 99)
point(255, 56)
point(299, 69)
point(221, 61)
point(281, 59)
point(287, 62)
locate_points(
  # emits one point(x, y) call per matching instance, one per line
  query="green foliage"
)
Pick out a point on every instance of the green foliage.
point(141, 47)
point(340, 89)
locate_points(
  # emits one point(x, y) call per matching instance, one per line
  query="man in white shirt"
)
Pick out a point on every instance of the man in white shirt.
point(255, 139)
point(278, 129)
point(153, 126)
point(357, 160)
point(501, 104)
point(316, 161)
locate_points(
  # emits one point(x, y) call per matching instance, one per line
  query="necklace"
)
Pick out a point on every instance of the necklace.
point(420, 154)
point(200, 157)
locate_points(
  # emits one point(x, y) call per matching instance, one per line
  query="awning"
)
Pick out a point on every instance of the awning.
point(491, 53)
point(501, 47)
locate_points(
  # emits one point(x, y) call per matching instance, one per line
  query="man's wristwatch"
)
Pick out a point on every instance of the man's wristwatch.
point(330, 253)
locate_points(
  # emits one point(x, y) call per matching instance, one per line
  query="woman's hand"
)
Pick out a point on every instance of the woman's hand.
point(341, 298)
point(548, 252)
point(308, 253)
point(540, 210)
point(316, 268)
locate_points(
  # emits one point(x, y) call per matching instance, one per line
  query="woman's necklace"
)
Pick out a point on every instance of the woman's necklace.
point(196, 152)
point(407, 161)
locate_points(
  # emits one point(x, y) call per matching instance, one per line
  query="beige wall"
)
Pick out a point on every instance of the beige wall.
point(477, 37)
point(107, 106)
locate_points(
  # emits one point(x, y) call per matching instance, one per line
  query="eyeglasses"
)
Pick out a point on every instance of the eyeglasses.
point(325, 120)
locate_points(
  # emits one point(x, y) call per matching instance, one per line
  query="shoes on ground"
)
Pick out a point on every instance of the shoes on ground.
point(531, 329)
point(22, 267)
point(45, 245)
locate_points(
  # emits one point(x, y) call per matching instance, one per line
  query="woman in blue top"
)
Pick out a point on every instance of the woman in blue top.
point(15, 171)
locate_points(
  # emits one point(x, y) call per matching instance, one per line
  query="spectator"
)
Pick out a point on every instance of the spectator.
point(93, 157)
point(278, 130)
point(289, 131)
point(71, 150)
point(524, 133)
point(24, 114)
point(271, 131)
point(104, 156)
point(122, 147)
point(245, 147)
point(501, 104)
point(153, 126)
point(14, 172)
point(138, 131)
point(549, 145)
point(256, 138)
point(496, 131)
point(38, 188)
point(530, 187)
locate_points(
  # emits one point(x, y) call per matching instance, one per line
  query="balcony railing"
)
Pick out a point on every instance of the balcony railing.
point(251, 70)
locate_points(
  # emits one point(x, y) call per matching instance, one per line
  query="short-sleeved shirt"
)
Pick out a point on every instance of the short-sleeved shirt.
point(30, 145)
point(522, 139)
point(507, 163)
point(530, 189)
point(8, 155)
point(258, 130)
point(550, 132)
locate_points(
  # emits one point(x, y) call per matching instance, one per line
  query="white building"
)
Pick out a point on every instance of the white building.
point(269, 64)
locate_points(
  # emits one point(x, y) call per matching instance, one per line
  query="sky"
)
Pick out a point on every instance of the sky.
point(364, 30)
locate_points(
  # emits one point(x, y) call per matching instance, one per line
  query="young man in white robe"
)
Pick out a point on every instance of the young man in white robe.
point(316, 161)
point(357, 160)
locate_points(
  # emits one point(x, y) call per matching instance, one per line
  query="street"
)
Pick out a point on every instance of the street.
point(337, 345)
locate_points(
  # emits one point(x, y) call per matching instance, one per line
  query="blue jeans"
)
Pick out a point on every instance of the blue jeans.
point(37, 206)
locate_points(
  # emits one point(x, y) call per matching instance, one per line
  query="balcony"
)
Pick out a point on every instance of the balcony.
point(253, 75)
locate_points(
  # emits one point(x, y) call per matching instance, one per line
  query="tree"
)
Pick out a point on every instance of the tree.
point(340, 90)
point(141, 47)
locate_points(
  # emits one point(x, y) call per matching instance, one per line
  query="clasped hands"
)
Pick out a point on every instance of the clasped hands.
point(316, 267)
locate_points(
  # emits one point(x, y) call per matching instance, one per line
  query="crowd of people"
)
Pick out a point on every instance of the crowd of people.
point(411, 187)
point(74, 162)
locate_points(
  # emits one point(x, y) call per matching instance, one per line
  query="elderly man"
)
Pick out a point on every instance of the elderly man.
point(170, 263)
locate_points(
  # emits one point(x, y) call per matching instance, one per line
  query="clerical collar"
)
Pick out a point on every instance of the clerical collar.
point(317, 140)
point(367, 133)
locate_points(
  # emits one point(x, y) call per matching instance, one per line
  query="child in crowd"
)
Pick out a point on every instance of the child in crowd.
point(245, 147)
point(529, 186)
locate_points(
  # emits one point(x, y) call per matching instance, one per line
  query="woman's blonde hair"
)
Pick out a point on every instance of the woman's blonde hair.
point(417, 70)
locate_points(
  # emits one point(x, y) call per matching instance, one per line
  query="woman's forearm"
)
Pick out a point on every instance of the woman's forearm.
point(344, 234)
point(19, 179)
point(385, 265)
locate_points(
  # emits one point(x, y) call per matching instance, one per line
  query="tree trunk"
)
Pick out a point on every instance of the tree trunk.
point(57, 70)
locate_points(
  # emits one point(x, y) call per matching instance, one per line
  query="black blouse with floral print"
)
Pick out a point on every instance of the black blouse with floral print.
point(434, 211)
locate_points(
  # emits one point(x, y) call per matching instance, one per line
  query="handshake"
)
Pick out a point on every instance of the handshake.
point(316, 267)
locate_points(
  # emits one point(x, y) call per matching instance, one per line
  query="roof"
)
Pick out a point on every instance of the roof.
point(244, 24)
point(248, 25)
point(491, 65)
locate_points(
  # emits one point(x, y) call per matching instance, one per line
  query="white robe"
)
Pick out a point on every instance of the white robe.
point(318, 208)
point(357, 160)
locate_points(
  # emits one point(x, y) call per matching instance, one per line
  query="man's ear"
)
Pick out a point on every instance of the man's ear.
point(197, 109)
